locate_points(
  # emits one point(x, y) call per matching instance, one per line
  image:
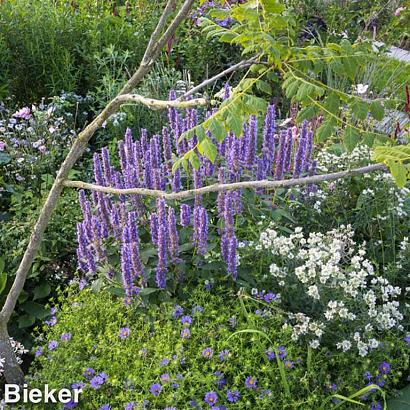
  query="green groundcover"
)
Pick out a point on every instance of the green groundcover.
point(402, 403)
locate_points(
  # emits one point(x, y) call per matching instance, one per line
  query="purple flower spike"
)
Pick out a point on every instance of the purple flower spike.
point(251, 148)
point(167, 149)
point(300, 156)
point(288, 152)
point(173, 243)
point(162, 244)
point(232, 258)
point(126, 263)
point(98, 172)
point(185, 215)
point(280, 158)
point(154, 228)
point(106, 166)
point(268, 145)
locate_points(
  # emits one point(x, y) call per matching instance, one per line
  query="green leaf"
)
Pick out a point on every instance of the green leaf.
point(399, 172)
point(360, 109)
point(324, 131)
point(351, 138)
point(35, 309)
point(208, 148)
point(193, 159)
point(41, 291)
point(4, 158)
point(26, 321)
point(307, 113)
point(377, 110)
point(332, 103)
point(272, 6)
point(3, 281)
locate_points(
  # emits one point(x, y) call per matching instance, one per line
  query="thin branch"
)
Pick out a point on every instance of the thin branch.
point(240, 65)
point(159, 104)
point(155, 45)
point(191, 193)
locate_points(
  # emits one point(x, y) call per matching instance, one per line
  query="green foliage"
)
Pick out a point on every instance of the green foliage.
point(225, 322)
point(397, 159)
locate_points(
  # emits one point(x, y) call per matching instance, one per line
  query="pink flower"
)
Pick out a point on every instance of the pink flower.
point(398, 11)
point(24, 113)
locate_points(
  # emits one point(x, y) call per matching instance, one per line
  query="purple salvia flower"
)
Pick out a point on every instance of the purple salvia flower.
point(227, 91)
point(225, 247)
point(172, 112)
point(98, 172)
point(105, 154)
point(228, 215)
point(153, 219)
point(162, 244)
point(173, 242)
point(288, 152)
point(309, 150)
point(97, 238)
point(233, 159)
point(138, 158)
point(126, 263)
point(197, 176)
point(202, 245)
point(147, 170)
point(167, 148)
point(268, 145)
point(137, 267)
point(115, 222)
point(280, 157)
point(185, 215)
point(155, 153)
point(129, 148)
point(176, 181)
point(300, 156)
point(144, 140)
point(252, 145)
point(232, 257)
point(123, 156)
point(119, 183)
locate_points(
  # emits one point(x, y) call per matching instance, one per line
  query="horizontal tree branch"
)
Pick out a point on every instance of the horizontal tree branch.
point(191, 193)
point(238, 66)
point(158, 104)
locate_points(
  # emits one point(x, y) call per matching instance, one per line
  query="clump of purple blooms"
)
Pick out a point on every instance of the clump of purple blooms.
point(146, 162)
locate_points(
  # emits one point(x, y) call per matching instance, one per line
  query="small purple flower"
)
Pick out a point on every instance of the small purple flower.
point(130, 406)
point(185, 215)
point(24, 113)
point(89, 373)
point(155, 389)
point(250, 382)
point(185, 333)
point(198, 309)
point(232, 396)
point(2, 145)
point(96, 382)
point(164, 362)
point(66, 337)
point(207, 353)
point(270, 297)
point(52, 321)
point(165, 378)
point(105, 407)
point(53, 344)
point(270, 355)
point(223, 354)
point(211, 398)
point(77, 386)
point(178, 312)
point(407, 340)
point(376, 406)
point(70, 405)
point(39, 351)
point(186, 320)
point(384, 368)
point(124, 333)
point(289, 364)
point(367, 376)
point(282, 352)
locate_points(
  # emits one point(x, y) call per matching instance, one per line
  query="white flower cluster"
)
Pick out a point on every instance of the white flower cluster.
point(331, 287)
point(19, 350)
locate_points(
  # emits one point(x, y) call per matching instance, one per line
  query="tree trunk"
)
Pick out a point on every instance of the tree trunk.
point(12, 371)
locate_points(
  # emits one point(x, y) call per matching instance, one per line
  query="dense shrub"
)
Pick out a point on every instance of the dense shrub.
point(199, 355)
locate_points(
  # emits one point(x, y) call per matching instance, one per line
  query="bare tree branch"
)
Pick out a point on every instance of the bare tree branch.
point(155, 45)
point(158, 104)
point(191, 193)
point(236, 67)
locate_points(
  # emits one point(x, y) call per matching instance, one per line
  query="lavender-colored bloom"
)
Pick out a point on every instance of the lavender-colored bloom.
point(185, 333)
point(126, 263)
point(384, 367)
point(105, 154)
point(376, 406)
point(105, 407)
point(367, 376)
point(153, 218)
point(52, 345)
point(251, 382)
point(309, 150)
point(288, 152)
point(24, 113)
point(124, 333)
point(39, 351)
point(407, 340)
point(222, 355)
point(232, 396)
point(97, 381)
point(162, 244)
point(167, 149)
point(177, 312)
point(201, 229)
point(207, 353)
point(176, 181)
point(172, 112)
point(155, 389)
point(197, 309)
point(252, 144)
point(98, 171)
point(225, 240)
point(52, 321)
point(70, 405)
point(2, 145)
point(186, 320)
point(232, 257)
point(173, 243)
point(282, 352)
point(289, 364)
point(268, 145)
point(165, 378)
point(270, 355)
point(66, 337)
point(185, 215)
point(211, 398)
point(300, 157)
point(280, 157)
point(130, 406)
point(148, 171)
point(89, 373)
point(164, 362)
point(155, 152)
